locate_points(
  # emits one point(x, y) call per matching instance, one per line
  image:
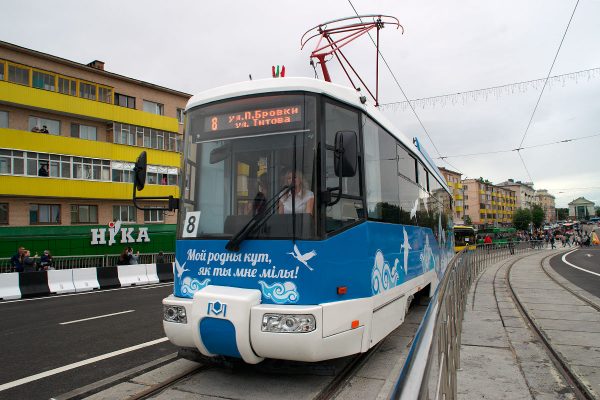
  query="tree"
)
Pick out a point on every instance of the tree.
point(597, 211)
point(537, 215)
point(467, 220)
point(521, 219)
point(562, 213)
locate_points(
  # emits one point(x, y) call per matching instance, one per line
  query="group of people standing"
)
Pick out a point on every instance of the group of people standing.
point(128, 257)
point(22, 261)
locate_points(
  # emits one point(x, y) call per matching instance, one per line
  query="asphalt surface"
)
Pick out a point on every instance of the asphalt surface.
point(587, 258)
point(33, 341)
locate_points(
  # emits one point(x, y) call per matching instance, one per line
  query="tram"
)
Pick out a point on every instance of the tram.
point(464, 236)
point(307, 223)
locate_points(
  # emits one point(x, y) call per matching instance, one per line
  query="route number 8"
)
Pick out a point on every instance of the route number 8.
point(190, 226)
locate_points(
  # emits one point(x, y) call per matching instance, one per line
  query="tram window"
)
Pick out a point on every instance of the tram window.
point(339, 119)
point(406, 164)
point(348, 210)
point(382, 175)
point(421, 176)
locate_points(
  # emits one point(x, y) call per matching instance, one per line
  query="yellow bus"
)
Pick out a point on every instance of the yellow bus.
point(464, 236)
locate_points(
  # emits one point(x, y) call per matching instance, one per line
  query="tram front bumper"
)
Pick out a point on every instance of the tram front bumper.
point(253, 343)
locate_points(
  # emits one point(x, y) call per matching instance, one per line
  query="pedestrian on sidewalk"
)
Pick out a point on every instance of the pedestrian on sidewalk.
point(511, 246)
point(16, 261)
point(552, 241)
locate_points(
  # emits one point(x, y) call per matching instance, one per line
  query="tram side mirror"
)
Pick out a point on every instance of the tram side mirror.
point(346, 154)
point(139, 171)
point(219, 154)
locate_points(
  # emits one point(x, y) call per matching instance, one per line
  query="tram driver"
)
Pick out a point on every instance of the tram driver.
point(304, 198)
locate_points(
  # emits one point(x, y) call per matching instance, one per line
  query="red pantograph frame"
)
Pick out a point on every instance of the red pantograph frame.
point(342, 33)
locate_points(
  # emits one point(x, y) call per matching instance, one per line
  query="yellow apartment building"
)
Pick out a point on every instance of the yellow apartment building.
point(69, 135)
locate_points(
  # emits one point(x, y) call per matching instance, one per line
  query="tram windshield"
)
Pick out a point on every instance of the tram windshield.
point(241, 158)
point(464, 236)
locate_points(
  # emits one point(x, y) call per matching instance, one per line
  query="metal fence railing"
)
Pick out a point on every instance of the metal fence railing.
point(430, 368)
point(91, 261)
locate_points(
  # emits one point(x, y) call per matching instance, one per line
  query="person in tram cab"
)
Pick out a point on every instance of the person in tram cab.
point(304, 198)
point(259, 202)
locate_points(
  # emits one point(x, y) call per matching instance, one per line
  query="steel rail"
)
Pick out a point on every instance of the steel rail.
point(579, 388)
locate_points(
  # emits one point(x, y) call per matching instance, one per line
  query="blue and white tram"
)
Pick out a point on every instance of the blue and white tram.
point(307, 222)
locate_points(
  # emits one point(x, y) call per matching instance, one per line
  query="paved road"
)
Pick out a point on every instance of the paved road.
point(33, 341)
point(587, 258)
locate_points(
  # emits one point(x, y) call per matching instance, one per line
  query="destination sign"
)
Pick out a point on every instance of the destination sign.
point(253, 118)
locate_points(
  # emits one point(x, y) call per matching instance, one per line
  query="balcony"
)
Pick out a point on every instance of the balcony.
point(458, 208)
point(73, 188)
point(45, 143)
point(20, 95)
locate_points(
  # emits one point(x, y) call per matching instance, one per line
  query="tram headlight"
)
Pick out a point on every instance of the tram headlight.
point(288, 323)
point(174, 314)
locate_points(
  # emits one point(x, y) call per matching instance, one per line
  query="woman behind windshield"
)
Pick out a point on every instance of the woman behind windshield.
point(304, 198)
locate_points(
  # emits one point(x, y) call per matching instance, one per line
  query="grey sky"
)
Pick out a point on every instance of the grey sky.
point(447, 47)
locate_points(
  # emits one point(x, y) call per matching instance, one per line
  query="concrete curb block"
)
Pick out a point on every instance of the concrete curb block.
point(9, 286)
point(15, 285)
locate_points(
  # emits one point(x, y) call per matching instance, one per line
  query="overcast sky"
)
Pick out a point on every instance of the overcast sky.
point(447, 47)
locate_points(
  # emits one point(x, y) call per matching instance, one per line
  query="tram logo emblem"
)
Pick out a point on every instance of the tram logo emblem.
point(303, 258)
point(217, 308)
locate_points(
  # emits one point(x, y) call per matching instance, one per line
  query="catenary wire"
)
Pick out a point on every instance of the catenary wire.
point(521, 148)
point(398, 83)
point(549, 72)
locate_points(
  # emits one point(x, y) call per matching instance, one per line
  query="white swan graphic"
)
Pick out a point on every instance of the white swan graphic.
point(413, 211)
point(180, 268)
point(406, 247)
point(303, 258)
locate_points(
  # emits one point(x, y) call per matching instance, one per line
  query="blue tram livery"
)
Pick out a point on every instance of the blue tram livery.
point(307, 223)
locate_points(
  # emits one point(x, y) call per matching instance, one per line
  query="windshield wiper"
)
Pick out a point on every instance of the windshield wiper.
point(257, 221)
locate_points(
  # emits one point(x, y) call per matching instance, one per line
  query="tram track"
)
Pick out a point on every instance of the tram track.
point(325, 380)
point(579, 388)
point(328, 392)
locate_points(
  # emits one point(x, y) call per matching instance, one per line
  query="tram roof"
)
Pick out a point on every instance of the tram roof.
point(341, 93)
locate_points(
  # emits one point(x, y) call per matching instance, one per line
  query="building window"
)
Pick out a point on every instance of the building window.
point(122, 171)
point(67, 86)
point(84, 214)
point(180, 115)
point(83, 131)
point(154, 108)
point(124, 213)
point(4, 213)
point(37, 124)
point(87, 91)
point(124, 134)
point(3, 119)
point(124, 101)
point(18, 74)
point(105, 94)
point(154, 216)
point(44, 214)
point(43, 80)
point(2, 70)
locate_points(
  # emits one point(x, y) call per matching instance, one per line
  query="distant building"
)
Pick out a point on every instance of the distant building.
point(524, 192)
point(453, 179)
point(488, 204)
point(546, 201)
point(70, 134)
point(581, 208)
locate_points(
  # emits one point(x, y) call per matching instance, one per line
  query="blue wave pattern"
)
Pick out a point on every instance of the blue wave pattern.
point(192, 285)
point(280, 293)
point(383, 277)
